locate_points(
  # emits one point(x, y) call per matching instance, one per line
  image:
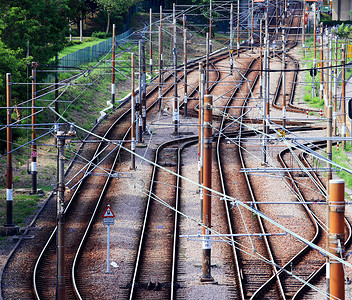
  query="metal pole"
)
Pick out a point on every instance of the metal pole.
point(314, 48)
point(60, 237)
point(261, 59)
point(9, 178)
point(81, 30)
point(343, 95)
point(252, 25)
point(139, 102)
point(108, 251)
point(335, 89)
point(133, 116)
point(231, 39)
point(207, 171)
point(207, 63)
point(303, 28)
point(34, 121)
point(321, 86)
point(201, 91)
point(113, 66)
point(185, 65)
point(210, 25)
point(337, 237)
point(160, 56)
point(283, 80)
point(238, 28)
point(175, 110)
point(150, 41)
point(144, 89)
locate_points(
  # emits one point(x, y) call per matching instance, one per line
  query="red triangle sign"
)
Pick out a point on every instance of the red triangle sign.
point(108, 213)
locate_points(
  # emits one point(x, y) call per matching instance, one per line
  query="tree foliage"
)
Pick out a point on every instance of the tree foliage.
point(115, 7)
point(40, 24)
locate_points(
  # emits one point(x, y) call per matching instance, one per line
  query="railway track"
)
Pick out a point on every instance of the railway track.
point(262, 266)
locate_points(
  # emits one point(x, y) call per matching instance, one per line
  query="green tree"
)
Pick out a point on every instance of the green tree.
point(116, 7)
point(41, 24)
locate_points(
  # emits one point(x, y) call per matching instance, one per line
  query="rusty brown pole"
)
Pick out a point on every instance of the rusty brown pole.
point(9, 178)
point(283, 80)
point(60, 251)
point(200, 132)
point(185, 65)
point(210, 26)
point(113, 66)
point(314, 47)
point(336, 237)
point(343, 95)
point(144, 90)
point(160, 56)
point(303, 28)
point(150, 41)
point(34, 121)
point(238, 29)
point(176, 104)
point(207, 171)
point(321, 87)
point(133, 115)
point(335, 89)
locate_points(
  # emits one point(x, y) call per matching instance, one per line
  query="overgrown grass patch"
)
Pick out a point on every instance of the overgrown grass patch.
point(341, 158)
point(24, 206)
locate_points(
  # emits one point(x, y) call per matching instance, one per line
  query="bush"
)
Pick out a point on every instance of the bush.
point(100, 35)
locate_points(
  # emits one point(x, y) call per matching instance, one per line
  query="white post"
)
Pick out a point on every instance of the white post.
point(108, 252)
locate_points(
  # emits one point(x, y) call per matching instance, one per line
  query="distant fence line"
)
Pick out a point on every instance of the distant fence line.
point(89, 54)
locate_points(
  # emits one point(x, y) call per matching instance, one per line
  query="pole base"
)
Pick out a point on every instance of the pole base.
point(141, 145)
point(9, 230)
point(210, 280)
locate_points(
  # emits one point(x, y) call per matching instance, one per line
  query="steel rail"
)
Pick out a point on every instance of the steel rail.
point(230, 224)
point(184, 140)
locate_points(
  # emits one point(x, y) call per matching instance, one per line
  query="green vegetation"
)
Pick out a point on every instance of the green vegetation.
point(340, 157)
point(77, 45)
point(24, 206)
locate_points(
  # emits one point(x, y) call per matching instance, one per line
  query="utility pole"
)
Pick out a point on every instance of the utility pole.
point(329, 108)
point(336, 237)
point(113, 67)
point(144, 90)
point(201, 89)
point(335, 89)
point(175, 111)
point(261, 59)
point(207, 171)
point(314, 46)
point(238, 28)
point(252, 25)
point(34, 121)
point(150, 41)
point(160, 56)
point(321, 89)
point(185, 65)
point(61, 137)
point(139, 102)
point(9, 177)
point(267, 93)
point(133, 116)
point(210, 25)
point(283, 80)
point(343, 95)
point(207, 63)
point(231, 39)
point(303, 28)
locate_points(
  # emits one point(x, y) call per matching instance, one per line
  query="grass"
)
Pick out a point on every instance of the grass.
point(87, 42)
point(340, 157)
point(23, 207)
